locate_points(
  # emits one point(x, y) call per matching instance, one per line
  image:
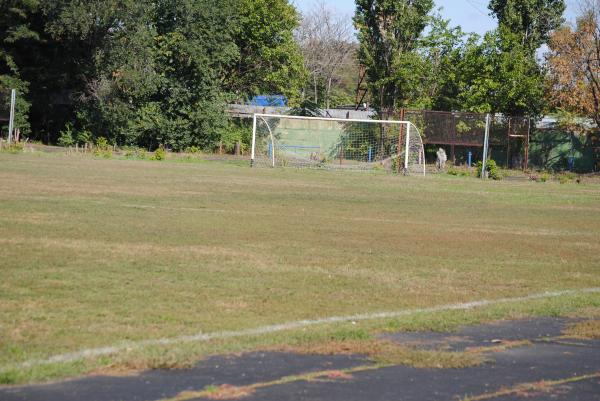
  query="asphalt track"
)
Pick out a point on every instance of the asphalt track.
point(549, 367)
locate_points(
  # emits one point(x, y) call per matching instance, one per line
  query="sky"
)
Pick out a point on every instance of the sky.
point(471, 15)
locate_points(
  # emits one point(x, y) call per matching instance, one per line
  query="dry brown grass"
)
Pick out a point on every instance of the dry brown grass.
point(589, 329)
point(528, 390)
point(230, 392)
point(390, 353)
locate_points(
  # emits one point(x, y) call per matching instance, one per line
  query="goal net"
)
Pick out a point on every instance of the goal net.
point(335, 143)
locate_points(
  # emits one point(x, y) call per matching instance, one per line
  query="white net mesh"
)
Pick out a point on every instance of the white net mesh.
point(292, 141)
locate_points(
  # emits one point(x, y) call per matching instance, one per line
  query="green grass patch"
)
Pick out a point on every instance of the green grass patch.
point(100, 252)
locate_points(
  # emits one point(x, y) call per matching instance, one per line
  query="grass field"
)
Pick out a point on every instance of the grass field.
point(94, 253)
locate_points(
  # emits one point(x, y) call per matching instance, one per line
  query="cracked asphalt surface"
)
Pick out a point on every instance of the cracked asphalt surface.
point(549, 367)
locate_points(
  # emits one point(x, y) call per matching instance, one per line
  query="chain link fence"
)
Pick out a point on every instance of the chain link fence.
point(462, 136)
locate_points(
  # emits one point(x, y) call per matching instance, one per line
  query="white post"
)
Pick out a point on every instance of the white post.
point(11, 121)
point(486, 142)
point(407, 148)
point(272, 145)
point(253, 140)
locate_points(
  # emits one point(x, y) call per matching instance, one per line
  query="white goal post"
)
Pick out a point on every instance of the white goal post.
point(320, 142)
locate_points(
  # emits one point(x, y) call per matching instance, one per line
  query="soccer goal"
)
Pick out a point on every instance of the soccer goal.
point(336, 143)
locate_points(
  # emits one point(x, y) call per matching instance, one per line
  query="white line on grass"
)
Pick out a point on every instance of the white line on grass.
point(201, 337)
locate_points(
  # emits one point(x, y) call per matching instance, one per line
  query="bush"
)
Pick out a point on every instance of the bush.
point(458, 172)
point(84, 137)
point(66, 136)
point(159, 154)
point(493, 171)
point(567, 177)
point(103, 149)
point(452, 171)
point(13, 147)
point(544, 177)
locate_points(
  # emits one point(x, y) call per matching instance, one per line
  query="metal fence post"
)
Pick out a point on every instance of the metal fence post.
point(253, 140)
point(11, 121)
point(485, 145)
point(407, 148)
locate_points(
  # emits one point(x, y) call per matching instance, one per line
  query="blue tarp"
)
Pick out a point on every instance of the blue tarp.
point(269, 100)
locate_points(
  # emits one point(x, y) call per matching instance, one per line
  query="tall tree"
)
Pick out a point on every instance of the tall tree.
point(157, 80)
point(502, 73)
point(388, 32)
point(574, 64)
point(326, 43)
point(498, 75)
point(442, 50)
point(19, 31)
point(531, 20)
point(269, 59)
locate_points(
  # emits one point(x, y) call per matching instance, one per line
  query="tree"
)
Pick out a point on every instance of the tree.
point(574, 64)
point(326, 44)
point(269, 59)
point(110, 44)
point(441, 50)
point(502, 73)
point(145, 72)
point(168, 91)
point(531, 20)
point(498, 75)
point(388, 32)
point(17, 32)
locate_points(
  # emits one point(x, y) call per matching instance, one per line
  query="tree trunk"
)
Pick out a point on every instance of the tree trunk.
point(327, 92)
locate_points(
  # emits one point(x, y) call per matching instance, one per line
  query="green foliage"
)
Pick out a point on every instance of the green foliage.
point(13, 147)
point(269, 58)
point(144, 72)
point(84, 137)
point(16, 33)
point(388, 32)
point(499, 75)
point(350, 334)
point(22, 105)
point(237, 132)
point(441, 50)
point(492, 169)
point(159, 154)
point(452, 170)
point(531, 20)
point(133, 152)
point(66, 136)
point(563, 179)
point(103, 148)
